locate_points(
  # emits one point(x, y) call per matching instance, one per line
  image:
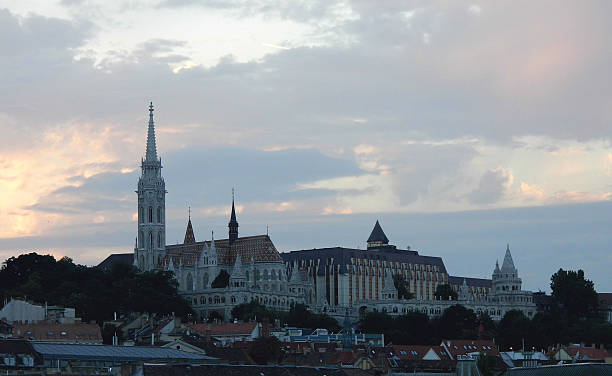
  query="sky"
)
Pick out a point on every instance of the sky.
point(461, 126)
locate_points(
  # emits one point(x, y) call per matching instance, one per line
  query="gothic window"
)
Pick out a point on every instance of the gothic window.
point(273, 275)
point(141, 262)
point(257, 276)
point(140, 215)
point(159, 239)
point(141, 239)
point(150, 214)
point(265, 274)
point(189, 282)
point(205, 281)
point(247, 275)
point(150, 240)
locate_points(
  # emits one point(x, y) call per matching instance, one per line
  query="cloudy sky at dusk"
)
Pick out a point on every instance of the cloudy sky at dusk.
point(462, 126)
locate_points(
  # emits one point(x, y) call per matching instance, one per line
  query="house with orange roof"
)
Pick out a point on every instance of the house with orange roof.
point(228, 333)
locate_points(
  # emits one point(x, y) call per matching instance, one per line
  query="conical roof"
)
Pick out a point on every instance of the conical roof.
point(189, 236)
point(378, 235)
point(233, 220)
point(508, 264)
point(151, 154)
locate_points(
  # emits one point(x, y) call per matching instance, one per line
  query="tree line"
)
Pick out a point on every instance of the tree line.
point(95, 293)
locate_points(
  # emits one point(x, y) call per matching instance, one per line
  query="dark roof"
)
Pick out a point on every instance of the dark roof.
point(189, 236)
point(473, 282)
point(117, 353)
point(115, 258)
point(58, 332)
point(15, 346)
point(238, 370)
point(579, 369)
point(378, 235)
point(343, 255)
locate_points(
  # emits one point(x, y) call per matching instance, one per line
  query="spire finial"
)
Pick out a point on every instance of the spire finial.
point(189, 211)
point(232, 194)
point(151, 147)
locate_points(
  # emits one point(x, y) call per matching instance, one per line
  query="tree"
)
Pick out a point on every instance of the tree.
point(252, 310)
point(265, 349)
point(457, 322)
point(402, 286)
point(299, 316)
point(513, 329)
point(575, 293)
point(221, 281)
point(444, 291)
point(94, 293)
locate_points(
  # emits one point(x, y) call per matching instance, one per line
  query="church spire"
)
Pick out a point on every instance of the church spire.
point(233, 223)
point(151, 155)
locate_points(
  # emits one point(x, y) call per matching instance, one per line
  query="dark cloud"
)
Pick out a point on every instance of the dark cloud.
point(491, 188)
point(203, 178)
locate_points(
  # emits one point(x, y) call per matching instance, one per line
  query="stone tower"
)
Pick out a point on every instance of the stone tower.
point(506, 279)
point(150, 245)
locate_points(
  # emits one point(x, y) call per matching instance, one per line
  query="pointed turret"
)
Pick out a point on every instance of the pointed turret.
point(151, 155)
point(508, 264)
point(377, 237)
point(233, 223)
point(189, 236)
point(496, 267)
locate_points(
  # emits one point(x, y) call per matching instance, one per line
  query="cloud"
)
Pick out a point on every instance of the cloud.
point(492, 186)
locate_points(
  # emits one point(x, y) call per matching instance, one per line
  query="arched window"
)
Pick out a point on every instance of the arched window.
point(150, 214)
point(141, 239)
point(247, 275)
point(205, 281)
point(189, 282)
point(265, 275)
point(159, 239)
point(140, 214)
point(159, 215)
point(150, 240)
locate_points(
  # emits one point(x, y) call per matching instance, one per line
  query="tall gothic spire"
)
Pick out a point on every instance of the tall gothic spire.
point(233, 223)
point(151, 155)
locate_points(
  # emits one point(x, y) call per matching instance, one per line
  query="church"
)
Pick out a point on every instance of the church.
point(215, 275)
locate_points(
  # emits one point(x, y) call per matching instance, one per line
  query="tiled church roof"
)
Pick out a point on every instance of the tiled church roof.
point(189, 236)
point(259, 248)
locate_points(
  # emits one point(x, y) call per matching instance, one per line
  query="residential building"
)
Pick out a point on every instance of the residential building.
point(228, 333)
point(48, 331)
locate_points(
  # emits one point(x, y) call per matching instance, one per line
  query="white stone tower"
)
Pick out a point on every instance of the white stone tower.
point(506, 279)
point(150, 245)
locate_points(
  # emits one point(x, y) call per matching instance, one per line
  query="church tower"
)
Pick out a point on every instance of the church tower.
point(233, 224)
point(150, 245)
